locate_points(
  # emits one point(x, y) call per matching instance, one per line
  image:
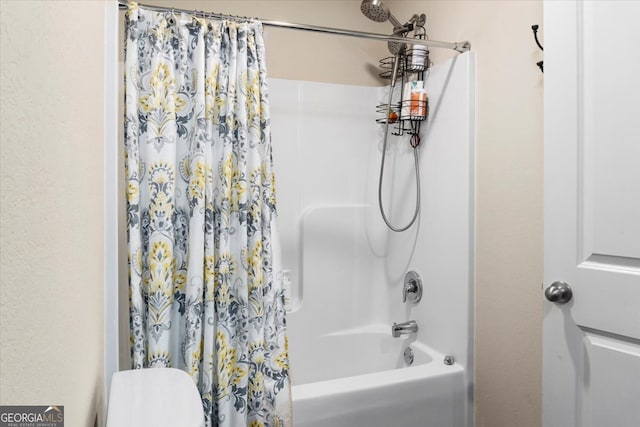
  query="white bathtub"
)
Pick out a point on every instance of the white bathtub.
point(359, 378)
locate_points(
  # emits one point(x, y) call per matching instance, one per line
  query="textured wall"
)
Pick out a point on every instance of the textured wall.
point(51, 298)
point(509, 198)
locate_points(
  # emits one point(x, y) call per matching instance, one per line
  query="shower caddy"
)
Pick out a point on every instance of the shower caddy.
point(408, 69)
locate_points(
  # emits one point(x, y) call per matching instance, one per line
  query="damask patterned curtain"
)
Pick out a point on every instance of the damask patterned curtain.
point(205, 282)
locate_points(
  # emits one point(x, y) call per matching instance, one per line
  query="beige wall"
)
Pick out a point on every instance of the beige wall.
point(51, 294)
point(508, 350)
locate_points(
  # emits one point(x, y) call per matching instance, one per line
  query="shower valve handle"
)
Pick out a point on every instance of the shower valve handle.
point(412, 289)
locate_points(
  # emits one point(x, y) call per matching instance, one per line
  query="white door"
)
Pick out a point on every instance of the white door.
point(592, 213)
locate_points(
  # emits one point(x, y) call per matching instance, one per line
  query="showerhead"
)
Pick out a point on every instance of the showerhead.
point(375, 10)
point(378, 12)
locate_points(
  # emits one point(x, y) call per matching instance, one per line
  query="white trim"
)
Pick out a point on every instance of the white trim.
point(111, 351)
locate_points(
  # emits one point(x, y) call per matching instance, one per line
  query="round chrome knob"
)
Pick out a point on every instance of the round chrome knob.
point(559, 292)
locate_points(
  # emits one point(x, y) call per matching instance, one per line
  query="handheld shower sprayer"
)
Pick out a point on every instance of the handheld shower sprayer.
point(378, 12)
point(394, 70)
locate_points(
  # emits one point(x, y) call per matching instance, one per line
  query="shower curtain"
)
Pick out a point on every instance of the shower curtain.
point(206, 290)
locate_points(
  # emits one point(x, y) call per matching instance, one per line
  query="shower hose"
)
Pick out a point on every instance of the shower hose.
point(415, 142)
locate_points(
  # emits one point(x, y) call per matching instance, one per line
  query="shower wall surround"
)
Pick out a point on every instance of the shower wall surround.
point(346, 267)
point(322, 134)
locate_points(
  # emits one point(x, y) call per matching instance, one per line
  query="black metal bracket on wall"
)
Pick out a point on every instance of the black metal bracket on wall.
point(540, 64)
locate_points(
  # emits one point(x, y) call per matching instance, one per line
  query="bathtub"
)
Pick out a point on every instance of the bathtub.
point(358, 377)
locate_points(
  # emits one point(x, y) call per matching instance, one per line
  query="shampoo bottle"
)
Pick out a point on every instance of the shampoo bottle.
point(418, 105)
point(405, 103)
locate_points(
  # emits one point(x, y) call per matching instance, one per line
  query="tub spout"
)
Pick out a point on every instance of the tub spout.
point(404, 328)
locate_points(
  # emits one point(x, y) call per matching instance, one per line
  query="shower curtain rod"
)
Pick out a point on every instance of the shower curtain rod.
point(457, 46)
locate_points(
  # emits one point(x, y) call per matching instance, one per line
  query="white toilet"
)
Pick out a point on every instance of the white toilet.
point(154, 397)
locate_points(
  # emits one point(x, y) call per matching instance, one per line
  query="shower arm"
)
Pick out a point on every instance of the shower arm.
point(461, 47)
point(402, 29)
point(398, 27)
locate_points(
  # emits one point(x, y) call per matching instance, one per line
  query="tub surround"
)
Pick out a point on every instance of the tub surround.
point(347, 268)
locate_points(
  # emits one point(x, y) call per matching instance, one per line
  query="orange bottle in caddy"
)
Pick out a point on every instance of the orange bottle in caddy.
point(418, 104)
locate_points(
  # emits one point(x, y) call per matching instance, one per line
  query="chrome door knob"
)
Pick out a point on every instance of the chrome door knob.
point(559, 292)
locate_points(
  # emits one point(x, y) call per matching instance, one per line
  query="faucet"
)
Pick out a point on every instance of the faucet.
point(404, 328)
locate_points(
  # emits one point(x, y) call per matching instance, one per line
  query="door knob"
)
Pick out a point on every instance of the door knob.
point(559, 292)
